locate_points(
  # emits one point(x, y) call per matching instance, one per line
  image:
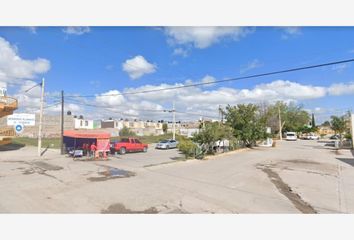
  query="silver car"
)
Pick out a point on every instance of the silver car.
point(167, 144)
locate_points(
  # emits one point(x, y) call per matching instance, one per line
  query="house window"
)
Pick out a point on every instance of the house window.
point(86, 123)
point(80, 123)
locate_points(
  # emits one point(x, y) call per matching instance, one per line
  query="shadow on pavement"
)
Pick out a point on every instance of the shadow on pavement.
point(11, 147)
point(44, 151)
point(349, 161)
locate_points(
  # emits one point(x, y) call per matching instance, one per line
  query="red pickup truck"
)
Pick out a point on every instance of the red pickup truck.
point(128, 145)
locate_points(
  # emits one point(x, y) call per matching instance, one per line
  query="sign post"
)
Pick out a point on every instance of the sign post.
point(19, 128)
point(25, 119)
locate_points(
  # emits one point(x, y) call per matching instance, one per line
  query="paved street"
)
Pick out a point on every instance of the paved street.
point(294, 177)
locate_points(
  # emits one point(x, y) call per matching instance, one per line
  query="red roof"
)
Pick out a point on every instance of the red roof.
point(86, 134)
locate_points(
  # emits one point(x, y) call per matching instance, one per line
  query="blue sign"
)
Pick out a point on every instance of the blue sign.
point(19, 128)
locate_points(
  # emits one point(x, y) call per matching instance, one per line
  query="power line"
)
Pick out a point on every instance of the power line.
point(52, 105)
point(221, 81)
point(146, 110)
point(196, 114)
point(101, 106)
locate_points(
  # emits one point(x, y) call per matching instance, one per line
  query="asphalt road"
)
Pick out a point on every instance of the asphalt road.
point(294, 177)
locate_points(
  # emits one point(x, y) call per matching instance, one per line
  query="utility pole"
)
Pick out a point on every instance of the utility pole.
point(280, 125)
point(40, 120)
point(222, 114)
point(352, 128)
point(174, 121)
point(62, 124)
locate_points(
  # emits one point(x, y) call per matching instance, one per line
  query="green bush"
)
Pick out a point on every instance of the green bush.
point(187, 147)
point(348, 136)
point(126, 132)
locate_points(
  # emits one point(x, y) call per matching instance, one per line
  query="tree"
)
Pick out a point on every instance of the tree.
point(293, 117)
point(313, 124)
point(339, 125)
point(326, 123)
point(125, 132)
point(164, 127)
point(212, 132)
point(247, 123)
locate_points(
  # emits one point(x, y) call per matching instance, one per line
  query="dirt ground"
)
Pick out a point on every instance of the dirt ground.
point(294, 177)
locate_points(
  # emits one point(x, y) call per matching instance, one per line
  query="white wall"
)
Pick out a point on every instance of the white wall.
point(188, 132)
point(83, 124)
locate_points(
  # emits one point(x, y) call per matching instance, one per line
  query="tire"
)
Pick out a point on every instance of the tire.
point(122, 150)
point(145, 149)
point(167, 147)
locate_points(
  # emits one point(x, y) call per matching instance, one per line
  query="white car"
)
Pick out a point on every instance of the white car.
point(313, 137)
point(291, 136)
point(167, 144)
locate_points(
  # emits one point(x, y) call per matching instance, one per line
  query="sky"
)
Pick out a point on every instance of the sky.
point(102, 63)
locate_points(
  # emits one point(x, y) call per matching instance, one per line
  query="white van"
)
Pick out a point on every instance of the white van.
point(291, 136)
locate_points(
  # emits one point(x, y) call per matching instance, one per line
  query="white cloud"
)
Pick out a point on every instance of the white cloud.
point(341, 89)
point(32, 30)
point(198, 100)
point(13, 68)
point(76, 30)
point(180, 52)
point(339, 68)
point(208, 79)
point(111, 101)
point(255, 63)
point(290, 31)
point(203, 37)
point(74, 108)
point(20, 73)
point(138, 66)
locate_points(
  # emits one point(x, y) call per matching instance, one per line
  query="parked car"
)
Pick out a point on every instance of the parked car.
point(291, 136)
point(311, 136)
point(128, 145)
point(167, 144)
point(334, 137)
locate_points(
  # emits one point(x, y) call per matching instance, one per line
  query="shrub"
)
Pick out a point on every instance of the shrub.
point(125, 132)
point(187, 147)
point(348, 136)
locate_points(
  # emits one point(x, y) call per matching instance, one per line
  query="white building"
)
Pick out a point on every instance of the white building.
point(86, 124)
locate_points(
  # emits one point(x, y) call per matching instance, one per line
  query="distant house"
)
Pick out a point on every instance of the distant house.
point(86, 124)
point(325, 130)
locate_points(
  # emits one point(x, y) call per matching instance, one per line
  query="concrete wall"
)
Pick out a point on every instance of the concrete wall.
point(51, 126)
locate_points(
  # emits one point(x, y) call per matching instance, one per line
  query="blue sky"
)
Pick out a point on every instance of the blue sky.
point(101, 60)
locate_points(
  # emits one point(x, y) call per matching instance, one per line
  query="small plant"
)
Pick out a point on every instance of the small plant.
point(187, 147)
point(125, 132)
point(348, 136)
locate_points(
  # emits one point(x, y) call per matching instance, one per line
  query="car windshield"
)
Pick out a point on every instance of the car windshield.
point(290, 134)
point(125, 140)
point(164, 141)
